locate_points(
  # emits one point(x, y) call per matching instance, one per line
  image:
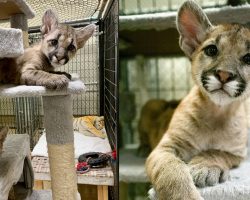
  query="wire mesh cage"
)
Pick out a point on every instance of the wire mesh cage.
point(76, 11)
point(22, 115)
point(25, 115)
point(109, 76)
point(96, 64)
point(110, 72)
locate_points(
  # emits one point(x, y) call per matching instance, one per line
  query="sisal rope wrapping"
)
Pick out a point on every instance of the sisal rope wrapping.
point(58, 121)
point(62, 166)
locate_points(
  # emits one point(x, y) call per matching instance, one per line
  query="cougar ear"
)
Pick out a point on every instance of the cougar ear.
point(49, 22)
point(192, 25)
point(83, 34)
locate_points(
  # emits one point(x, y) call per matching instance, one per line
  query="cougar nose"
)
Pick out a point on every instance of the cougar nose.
point(224, 76)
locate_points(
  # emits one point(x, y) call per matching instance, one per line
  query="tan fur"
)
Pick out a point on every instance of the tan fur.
point(153, 123)
point(207, 135)
point(90, 125)
point(37, 65)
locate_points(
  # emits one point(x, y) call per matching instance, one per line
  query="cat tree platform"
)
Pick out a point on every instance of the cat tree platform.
point(10, 91)
point(14, 39)
point(236, 188)
point(11, 42)
point(132, 170)
point(58, 121)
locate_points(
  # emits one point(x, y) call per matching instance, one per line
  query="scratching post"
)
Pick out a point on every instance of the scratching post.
point(58, 120)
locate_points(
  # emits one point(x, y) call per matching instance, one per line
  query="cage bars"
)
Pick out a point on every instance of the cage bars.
point(110, 73)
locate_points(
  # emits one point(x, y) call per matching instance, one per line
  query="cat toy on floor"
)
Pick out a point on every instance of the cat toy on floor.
point(94, 160)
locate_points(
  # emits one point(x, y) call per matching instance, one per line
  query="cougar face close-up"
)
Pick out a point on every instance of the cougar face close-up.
point(200, 146)
point(60, 41)
point(221, 63)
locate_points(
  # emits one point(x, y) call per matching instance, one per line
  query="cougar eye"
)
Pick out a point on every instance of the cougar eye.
point(53, 42)
point(211, 50)
point(71, 47)
point(246, 58)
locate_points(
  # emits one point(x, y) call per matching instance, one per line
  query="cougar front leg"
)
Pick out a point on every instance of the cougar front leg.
point(42, 78)
point(61, 73)
point(212, 167)
point(169, 175)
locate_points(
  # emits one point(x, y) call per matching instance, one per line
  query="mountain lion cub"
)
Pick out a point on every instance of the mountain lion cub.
point(207, 135)
point(37, 65)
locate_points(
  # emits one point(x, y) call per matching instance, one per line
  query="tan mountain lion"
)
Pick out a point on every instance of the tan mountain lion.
point(37, 65)
point(207, 135)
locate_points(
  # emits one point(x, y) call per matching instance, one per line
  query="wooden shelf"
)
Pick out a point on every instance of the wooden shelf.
point(101, 176)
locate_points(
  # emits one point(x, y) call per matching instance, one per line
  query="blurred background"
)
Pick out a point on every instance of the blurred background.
point(154, 77)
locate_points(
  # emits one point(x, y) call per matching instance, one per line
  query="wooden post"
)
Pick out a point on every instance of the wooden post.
point(20, 21)
point(102, 191)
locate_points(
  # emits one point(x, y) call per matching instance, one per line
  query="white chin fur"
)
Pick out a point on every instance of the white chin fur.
point(54, 59)
point(224, 96)
point(55, 65)
point(55, 62)
point(220, 98)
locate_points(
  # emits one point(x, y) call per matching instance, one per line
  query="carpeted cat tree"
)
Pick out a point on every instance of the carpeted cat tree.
point(58, 121)
point(58, 116)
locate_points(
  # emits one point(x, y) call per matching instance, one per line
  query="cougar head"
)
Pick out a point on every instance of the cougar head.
point(220, 55)
point(61, 41)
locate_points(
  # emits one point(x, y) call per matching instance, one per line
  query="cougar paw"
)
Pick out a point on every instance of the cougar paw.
point(208, 176)
point(57, 82)
point(67, 75)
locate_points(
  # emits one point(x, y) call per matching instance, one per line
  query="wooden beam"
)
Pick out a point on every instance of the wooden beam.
point(20, 21)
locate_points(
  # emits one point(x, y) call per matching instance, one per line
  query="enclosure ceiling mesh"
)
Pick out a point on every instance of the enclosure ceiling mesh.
point(67, 10)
